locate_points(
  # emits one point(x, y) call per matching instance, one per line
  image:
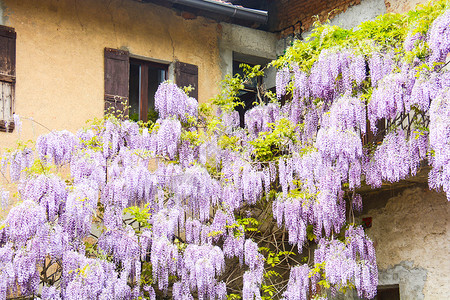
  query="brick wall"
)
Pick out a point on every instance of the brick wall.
point(300, 13)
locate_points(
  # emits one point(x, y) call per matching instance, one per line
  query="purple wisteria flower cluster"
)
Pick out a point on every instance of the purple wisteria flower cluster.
point(56, 146)
point(352, 261)
point(171, 101)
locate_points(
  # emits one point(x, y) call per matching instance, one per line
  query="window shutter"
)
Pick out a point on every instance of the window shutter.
point(185, 75)
point(7, 77)
point(117, 69)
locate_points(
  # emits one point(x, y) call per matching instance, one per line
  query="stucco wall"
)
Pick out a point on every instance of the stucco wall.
point(355, 15)
point(247, 41)
point(401, 6)
point(59, 65)
point(411, 237)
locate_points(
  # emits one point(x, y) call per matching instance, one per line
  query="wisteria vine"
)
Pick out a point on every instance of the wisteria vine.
point(195, 207)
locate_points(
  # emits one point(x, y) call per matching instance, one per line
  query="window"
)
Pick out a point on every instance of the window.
point(144, 79)
point(384, 292)
point(249, 94)
point(132, 83)
point(388, 292)
point(7, 77)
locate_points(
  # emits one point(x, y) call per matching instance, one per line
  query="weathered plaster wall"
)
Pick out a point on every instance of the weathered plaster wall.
point(235, 38)
point(411, 237)
point(303, 12)
point(355, 15)
point(401, 6)
point(59, 65)
point(352, 16)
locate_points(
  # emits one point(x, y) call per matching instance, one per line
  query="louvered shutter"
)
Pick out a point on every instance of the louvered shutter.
point(117, 69)
point(185, 75)
point(7, 77)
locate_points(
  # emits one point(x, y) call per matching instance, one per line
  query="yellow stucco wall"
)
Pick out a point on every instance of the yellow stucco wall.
point(60, 63)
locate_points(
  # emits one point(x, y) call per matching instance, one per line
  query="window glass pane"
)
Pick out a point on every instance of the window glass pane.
point(134, 89)
point(155, 77)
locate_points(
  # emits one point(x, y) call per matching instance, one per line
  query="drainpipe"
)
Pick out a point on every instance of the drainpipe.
point(229, 10)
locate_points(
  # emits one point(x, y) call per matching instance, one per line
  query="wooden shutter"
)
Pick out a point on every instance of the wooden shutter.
point(7, 77)
point(117, 69)
point(185, 75)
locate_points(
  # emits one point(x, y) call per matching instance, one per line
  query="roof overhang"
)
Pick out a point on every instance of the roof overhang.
point(225, 9)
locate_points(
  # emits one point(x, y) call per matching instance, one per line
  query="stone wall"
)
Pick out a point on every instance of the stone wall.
point(411, 236)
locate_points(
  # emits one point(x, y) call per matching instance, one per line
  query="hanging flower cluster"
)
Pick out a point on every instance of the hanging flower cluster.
point(350, 262)
point(171, 101)
point(440, 144)
point(56, 146)
point(19, 161)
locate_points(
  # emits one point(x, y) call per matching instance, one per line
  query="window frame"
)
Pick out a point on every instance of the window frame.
point(117, 79)
point(143, 84)
point(8, 37)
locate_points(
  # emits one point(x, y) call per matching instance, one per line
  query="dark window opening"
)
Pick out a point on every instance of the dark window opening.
point(388, 292)
point(384, 292)
point(248, 95)
point(144, 79)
